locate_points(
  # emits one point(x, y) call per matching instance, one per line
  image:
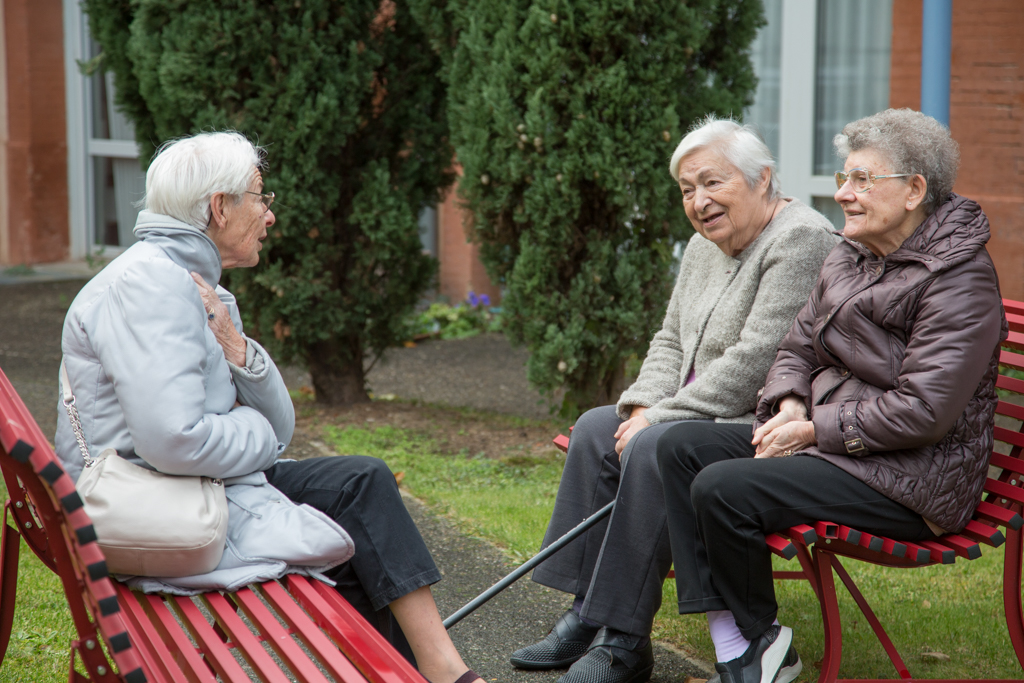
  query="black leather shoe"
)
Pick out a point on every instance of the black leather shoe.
point(769, 659)
point(613, 657)
point(564, 644)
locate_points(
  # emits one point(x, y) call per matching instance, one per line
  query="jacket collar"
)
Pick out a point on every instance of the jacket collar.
point(186, 245)
point(954, 233)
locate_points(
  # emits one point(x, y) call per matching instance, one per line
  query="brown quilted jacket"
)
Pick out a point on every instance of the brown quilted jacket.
point(897, 358)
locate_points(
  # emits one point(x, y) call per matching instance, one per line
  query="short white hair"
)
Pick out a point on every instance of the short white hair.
point(741, 145)
point(187, 172)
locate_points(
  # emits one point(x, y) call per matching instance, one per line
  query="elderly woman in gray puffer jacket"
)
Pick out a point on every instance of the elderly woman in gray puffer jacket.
point(878, 411)
point(163, 374)
point(742, 279)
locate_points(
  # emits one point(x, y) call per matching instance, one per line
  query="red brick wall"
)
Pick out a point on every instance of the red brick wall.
point(461, 269)
point(37, 169)
point(986, 113)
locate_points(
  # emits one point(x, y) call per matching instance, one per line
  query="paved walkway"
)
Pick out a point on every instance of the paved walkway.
point(482, 372)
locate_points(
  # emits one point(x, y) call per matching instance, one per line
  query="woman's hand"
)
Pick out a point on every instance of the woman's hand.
point(789, 431)
point(220, 322)
point(629, 428)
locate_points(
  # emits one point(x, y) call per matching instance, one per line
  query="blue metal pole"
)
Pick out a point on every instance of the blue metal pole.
point(936, 51)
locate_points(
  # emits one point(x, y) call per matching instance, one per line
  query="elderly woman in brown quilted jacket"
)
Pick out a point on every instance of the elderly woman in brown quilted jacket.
point(878, 410)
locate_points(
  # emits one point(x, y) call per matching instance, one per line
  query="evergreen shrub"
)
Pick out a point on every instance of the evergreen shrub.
point(564, 116)
point(347, 99)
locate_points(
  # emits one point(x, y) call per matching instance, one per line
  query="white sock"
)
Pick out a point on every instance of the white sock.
point(729, 642)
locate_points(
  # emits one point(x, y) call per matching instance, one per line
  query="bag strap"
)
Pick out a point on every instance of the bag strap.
point(68, 399)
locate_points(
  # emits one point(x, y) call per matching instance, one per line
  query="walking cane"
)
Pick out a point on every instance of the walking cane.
point(479, 600)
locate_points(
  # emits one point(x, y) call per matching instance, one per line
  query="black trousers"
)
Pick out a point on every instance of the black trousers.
point(721, 502)
point(391, 559)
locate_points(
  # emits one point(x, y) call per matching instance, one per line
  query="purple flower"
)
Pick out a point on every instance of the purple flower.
point(473, 299)
point(485, 300)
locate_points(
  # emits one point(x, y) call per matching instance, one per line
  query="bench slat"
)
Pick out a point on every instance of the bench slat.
point(782, 547)
point(848, 534)
point(894, 548)
point(1011, 359)
point(940, 552)
point(1015, 340)
point(161, 665)
point(1016, 321)
point(917, 553)
point(999, 515)
point(802, 533)
point(329, 655)
point(983, 533)
point(964, 547)
point(1008, 436)
point(245, 642)
point(1004, 490)
point(1007, 463)
point(216, 653)
point(363, 645)
point(826, 529)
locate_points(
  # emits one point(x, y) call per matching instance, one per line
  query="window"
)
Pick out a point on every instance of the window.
point(821, 65)
point(105, 180)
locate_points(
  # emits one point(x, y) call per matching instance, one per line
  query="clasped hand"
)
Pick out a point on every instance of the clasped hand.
point(220, 323)
point(629, 428)
point(786, 433)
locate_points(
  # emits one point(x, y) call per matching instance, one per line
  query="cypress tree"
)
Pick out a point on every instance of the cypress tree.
point(564, 116)
point(347, 99)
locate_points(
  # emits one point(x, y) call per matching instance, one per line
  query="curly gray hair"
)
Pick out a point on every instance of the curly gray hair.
point(912, 142)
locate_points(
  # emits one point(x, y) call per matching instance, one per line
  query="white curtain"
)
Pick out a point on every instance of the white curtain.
point(766, 55)
point(854, 43)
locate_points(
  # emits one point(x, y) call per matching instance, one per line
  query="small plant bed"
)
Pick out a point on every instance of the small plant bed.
point(469, 318)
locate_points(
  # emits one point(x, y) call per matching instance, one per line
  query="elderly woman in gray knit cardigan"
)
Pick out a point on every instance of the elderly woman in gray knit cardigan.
point(743, 278)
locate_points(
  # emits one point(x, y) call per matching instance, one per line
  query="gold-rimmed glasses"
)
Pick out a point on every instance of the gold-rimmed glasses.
point(267, 199)
point(862, 180)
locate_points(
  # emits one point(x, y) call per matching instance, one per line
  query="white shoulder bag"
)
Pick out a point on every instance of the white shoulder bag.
point(149, 523)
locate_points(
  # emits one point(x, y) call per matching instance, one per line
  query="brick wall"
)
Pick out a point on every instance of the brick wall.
point(36, 136)
point(986, 113)
point(461, 270)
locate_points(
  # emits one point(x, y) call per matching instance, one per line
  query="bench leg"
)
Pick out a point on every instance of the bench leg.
point(829, 617)
point(869, 614)
point(1011, 591)
point(10, 546)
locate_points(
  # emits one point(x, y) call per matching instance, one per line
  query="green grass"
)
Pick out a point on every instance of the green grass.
point(43, 630)
point(508, 501)
point(953, 610)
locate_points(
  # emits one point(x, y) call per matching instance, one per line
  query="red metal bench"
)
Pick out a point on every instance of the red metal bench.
point(997, 521)
point(295, 629)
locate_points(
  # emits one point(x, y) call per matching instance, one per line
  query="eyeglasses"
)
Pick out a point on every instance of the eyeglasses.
point(862, 180)
point(267, 199)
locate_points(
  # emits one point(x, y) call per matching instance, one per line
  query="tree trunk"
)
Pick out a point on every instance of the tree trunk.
point(613, 386)
point(339, 382)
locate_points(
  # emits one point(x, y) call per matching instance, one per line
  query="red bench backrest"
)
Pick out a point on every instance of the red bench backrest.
point(48, 513)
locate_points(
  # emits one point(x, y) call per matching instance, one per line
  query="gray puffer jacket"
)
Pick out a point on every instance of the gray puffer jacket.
point(897, 359)
point(151, 381)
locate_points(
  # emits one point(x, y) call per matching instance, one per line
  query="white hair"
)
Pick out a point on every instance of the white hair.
point(187, 171)
point(741, 145)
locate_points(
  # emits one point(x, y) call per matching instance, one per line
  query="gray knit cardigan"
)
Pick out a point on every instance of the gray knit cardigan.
point(726, 318)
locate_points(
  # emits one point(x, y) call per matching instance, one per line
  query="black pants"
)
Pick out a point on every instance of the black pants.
point(391, 559)
point(721, 503)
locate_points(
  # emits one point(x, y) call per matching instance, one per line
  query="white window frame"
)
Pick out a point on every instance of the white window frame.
point(797, 68)
point(82, 147)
